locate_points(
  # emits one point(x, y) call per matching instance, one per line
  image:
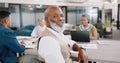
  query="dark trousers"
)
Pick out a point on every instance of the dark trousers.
point(91, 62)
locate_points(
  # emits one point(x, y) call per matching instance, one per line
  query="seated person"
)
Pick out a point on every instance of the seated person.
point(85, 26)
point(38, 29)
point(9, 45)
point(53, 46)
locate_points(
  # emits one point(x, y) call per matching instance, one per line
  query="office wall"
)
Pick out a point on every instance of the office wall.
point(75, 13)
point(31, 18)
point(114, 8)
point(97, 3)
point(15, 20)
point(28, 18)
point(72, 18)
point(15, 16)
point(39, 15)
point(91, 3)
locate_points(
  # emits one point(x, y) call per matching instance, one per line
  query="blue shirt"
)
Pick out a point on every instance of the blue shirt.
point(9, 46)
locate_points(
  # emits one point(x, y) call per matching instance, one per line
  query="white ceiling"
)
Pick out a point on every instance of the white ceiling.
point(96, 3)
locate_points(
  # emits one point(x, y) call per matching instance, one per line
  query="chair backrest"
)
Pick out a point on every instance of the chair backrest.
point(39, 57)
point(38, 43)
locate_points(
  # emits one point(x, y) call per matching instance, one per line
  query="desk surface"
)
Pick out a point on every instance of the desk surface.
point(107, 53)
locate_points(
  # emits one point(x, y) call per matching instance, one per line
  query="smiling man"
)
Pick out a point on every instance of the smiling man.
point(54, 47)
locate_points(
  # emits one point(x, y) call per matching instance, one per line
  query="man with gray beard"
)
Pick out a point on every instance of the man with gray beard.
point(54, 47)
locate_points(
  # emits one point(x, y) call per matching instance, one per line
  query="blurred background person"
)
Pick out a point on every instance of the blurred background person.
point(86, 26)
point(38, 29)
point(9, 45)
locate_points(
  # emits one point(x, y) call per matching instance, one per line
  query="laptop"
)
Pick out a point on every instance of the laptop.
point(80, 36)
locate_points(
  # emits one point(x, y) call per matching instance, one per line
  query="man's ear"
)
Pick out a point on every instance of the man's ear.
point(47, 22)
point(6, 21)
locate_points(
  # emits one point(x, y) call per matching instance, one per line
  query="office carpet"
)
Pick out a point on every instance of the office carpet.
point(29, 59)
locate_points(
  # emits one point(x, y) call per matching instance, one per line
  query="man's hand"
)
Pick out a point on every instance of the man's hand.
point(81, 55)
point(40, 22)
point(22, 42)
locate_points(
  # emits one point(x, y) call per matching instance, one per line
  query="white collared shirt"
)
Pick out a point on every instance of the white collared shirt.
point(37, 31)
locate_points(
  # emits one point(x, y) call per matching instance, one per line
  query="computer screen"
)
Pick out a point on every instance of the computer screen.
point(80, 36)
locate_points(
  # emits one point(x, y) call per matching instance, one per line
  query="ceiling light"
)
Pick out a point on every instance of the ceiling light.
point(29, 6)
point(109, 1)
point(115, 1)
point(77, 1)
point(38, 6)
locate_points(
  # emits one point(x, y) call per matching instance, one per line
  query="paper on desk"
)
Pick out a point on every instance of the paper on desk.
point(28, 43)
point(30, 46)
point(89, 46)
point(104, 42)
point(23, 37)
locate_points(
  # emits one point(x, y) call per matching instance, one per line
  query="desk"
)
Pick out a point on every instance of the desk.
point(106, 53)
point(31, 44)
point(30, 52)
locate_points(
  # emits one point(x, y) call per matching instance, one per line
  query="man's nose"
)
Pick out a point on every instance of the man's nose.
point(60, 18)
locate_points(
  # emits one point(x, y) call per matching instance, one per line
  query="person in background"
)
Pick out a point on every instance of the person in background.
point(38, 29)
point(9, 45)
point(53, 46)
point(85, 26)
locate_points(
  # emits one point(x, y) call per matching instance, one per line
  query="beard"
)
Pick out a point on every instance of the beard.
point(56, 27)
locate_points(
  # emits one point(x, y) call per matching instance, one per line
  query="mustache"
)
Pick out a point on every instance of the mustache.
point(60, 22)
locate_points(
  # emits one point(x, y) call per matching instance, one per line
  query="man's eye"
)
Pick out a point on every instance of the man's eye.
point(62, 16)
point(54, 16)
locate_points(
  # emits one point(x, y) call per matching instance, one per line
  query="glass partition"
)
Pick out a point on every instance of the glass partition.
point(75, 13)
point(28, 14)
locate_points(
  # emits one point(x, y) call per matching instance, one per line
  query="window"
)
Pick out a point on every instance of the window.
point(74, 14)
